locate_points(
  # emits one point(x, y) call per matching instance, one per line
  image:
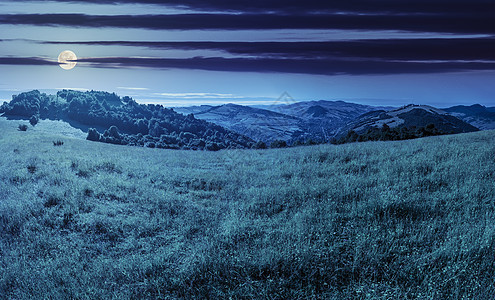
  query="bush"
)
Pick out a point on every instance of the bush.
point(93, 135)
point(278, 144)
point(212, 147)
point(32, 168)
point(260, 145)
point(34, 120)
point(113, 131)
point(23, 127)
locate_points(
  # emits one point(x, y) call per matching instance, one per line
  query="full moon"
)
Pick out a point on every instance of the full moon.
point(66, 60)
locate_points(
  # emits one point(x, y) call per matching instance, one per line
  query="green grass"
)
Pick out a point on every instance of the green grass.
point(377, 220)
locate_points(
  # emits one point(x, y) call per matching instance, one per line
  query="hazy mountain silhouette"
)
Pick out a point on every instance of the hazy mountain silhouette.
point(301, 121)
point(476, 115)
point(410, 118)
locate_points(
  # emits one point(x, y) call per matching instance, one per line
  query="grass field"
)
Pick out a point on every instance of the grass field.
point(378, 220)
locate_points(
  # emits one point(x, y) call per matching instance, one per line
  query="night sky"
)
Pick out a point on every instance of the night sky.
point(189, 52)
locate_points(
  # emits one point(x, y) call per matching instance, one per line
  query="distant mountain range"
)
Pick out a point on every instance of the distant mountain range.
point(326, 120)
point(121, 120)
point(315, 120)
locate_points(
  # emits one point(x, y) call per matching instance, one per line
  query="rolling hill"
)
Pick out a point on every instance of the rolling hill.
point(324, 121)
point(409, 117)
point(477, 115)
point(258, 124)
point(302, 121)
point(377, 220)
point(111, 119)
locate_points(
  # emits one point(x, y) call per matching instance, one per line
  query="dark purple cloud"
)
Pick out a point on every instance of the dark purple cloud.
point(422, 23)
point(360, 66)
point(26, 61)
point(459, 7)
point(305, 66)
point(385, 49)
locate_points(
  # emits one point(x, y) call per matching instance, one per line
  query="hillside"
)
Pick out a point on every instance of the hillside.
point(408, 122)
point(109, 118)
point(331, 121)
point(301, 121)
point(477, 115)
point(258, 124)
point(378, 220)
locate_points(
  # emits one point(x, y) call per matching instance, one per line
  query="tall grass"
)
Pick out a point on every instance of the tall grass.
point(385, 220)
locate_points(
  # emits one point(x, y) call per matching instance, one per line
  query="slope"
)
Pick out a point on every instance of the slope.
point(477, 115)
point(410, 219)
point(124, 121)
point(408, 120)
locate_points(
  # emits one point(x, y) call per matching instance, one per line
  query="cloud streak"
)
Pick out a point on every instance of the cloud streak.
point(221, 21)
point(354, 66)
point(197, 95)
point(388, 49)
point(458, 7)
point(303, 66)
point(356, 57)
point(32, 61)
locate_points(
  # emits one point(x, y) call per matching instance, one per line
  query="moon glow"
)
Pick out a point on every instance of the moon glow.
point(66, 60)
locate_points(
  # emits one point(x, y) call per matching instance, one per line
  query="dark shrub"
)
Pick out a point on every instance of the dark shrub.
point(197, 143)
point(278, 144)
point(212, 147)
point(34, 120)
point(186, 136)
point(260, 145)
point(114, 132)
point(93, 135)
point(52, 201)
point(22, 127)
point(31, 168)
point(311, 142)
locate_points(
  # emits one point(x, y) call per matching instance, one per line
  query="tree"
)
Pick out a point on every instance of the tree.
point(351, 137)
point(212, 147)
point(114, 132)
point(93, 135)
point(34, 120)
point(278, 144)
point(260, 145)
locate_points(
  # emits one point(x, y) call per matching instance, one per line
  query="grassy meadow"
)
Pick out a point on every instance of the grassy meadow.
point(377, 220)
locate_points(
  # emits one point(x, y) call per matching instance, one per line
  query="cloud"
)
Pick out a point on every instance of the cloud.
point(391, 56)
point(296, 6)
point(26, 61)
point(132, 88)
point(223, 21)
point(304, 66)
point(387, 49)
point(197, 95)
